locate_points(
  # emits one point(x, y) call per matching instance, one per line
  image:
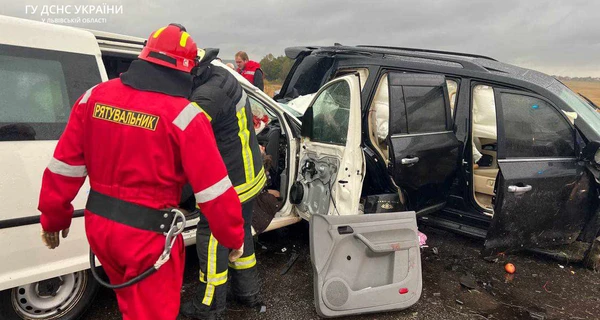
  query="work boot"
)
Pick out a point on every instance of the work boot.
point(252, 301)
point(189, 310)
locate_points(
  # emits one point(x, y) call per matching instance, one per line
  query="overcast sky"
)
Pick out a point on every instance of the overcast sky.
point(555, 37)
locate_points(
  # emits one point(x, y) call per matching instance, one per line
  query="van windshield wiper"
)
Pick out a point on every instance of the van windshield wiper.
point(589, 101)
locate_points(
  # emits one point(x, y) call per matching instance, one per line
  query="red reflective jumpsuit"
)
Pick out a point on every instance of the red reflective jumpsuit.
point(130, 143)
point(249, 70)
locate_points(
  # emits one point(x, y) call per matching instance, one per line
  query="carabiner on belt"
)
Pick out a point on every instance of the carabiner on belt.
point(177, 227)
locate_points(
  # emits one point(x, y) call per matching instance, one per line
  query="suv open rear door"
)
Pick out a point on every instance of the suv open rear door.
point(365, 263)
point(423, 148)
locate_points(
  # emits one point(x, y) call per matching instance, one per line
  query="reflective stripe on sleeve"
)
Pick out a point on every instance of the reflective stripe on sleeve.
point(87, 95)
point(186, 116)
point(242, 103)
point(213, 191)
point(244, 135)
point(67, 170)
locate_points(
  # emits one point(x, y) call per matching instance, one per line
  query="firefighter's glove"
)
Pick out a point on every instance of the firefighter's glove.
point(52, 239)
point(236, 253)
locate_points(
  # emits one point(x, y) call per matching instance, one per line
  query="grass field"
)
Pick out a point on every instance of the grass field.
point(590, 89)
point(271, 87)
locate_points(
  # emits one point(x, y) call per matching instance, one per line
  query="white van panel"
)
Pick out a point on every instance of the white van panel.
point(27, 260)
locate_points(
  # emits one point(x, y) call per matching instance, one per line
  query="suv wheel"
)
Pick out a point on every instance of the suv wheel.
point(65, 297)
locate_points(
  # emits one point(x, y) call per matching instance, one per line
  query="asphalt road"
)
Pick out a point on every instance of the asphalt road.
point(540, 289)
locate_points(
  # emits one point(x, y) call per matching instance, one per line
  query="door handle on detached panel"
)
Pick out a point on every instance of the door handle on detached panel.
point(386, 246)
point(409, 160)
point(517, 189)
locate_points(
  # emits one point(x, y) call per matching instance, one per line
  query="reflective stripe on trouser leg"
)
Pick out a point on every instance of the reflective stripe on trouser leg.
point(244, 274)
point(210, 271)
point(212, 289)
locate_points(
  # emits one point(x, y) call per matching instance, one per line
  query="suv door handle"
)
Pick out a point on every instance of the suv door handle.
point(409, 160)
point(516, 189)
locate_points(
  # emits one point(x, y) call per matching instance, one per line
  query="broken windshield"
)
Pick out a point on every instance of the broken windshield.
point(308, 77)
point(584, 110)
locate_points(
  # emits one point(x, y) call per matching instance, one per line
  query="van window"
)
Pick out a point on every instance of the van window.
point(116, 64)
point(38, 88)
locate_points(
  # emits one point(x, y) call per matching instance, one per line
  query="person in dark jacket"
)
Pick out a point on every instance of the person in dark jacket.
point(227, 106)
point(250, 70)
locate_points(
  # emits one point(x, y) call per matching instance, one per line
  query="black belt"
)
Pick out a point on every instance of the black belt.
point(130, 214)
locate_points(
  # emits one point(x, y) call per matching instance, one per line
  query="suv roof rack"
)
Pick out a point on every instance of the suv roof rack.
point(467, 64)
point(430, 51)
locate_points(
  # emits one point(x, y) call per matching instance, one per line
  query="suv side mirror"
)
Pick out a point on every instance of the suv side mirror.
point(591, 152)
point(307, 123)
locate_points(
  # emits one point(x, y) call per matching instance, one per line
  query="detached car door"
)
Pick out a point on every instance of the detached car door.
point(365, 263)
point(543, 192)
point(424, 151)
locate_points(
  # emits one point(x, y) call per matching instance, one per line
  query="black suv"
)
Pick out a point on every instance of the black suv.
point(471, 144)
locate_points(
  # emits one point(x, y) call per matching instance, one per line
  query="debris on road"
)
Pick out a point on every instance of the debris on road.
point(263, 309)
point(290, 263)
point(491, 259)
point(284, 249)
point(510, 268)
point(459, 302)
point(422, 239)
point(545, 287)
point(436, 294)
point(468, 281)
point(435, 250)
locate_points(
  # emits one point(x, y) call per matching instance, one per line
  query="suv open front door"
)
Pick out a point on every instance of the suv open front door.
point(365, 263)
point(544, 192)
point(331, 163)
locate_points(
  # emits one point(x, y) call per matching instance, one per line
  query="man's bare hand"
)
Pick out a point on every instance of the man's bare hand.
point(52, 239)
point(236, 254)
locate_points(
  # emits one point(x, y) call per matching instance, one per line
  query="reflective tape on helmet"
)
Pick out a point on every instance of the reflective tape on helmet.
point(183, 40)
point(158, 32)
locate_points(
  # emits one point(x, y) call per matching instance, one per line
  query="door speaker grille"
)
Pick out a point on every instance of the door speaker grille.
point(336, 293)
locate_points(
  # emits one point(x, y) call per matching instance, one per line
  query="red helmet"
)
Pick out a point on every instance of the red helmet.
point(171, 47)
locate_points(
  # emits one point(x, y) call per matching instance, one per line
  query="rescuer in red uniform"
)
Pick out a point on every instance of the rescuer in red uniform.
point(250, 70)
point(140, 140)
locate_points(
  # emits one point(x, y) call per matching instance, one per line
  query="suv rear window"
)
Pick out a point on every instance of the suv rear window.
point(308, 76)
point(38, 88)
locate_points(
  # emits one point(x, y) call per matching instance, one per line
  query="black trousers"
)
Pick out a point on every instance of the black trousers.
point(215, 268)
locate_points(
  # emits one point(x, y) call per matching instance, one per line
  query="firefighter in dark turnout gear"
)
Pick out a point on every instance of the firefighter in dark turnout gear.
point(222, 98)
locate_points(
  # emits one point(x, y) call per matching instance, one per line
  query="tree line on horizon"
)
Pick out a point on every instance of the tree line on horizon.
point(274, 68)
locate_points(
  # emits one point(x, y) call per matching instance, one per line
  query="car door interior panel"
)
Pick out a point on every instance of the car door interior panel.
point(365, 263)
